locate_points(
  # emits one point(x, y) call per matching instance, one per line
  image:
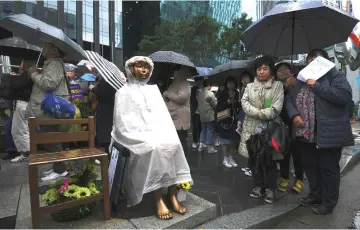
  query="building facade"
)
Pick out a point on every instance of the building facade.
point(95, 25)
point(225, 11)
point(174, 10)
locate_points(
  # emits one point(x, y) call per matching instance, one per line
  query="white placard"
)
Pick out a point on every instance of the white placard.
point(316, 69)
point(112, 166)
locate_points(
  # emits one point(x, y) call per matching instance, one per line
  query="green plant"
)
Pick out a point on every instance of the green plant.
point(79, 186)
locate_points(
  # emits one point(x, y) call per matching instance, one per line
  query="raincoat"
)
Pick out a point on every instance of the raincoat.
point(143, 125)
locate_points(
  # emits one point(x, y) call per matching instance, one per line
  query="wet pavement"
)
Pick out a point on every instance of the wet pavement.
point(228, 188)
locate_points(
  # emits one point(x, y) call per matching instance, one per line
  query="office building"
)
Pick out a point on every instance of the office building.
point(225, 11)
point(95, 25)
point(173, 10)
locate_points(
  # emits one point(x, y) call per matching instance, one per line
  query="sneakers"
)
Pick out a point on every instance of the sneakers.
point(257, 192)
point(47, 173)
point(212, 150)
point(217, 142)
point(54, 176)
point(19, 159)
point(298, 186)
point(201, 146)
point(247, 171)
point(284, 183)
point(194, 145)
point(232, 162)
point(226, 163)
point(269, 196)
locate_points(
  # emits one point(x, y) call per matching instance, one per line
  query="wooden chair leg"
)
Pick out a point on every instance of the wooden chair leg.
point(34, 196)
point(105, 181)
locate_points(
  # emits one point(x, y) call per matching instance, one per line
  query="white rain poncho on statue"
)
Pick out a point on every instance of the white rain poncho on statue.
point(143, 125)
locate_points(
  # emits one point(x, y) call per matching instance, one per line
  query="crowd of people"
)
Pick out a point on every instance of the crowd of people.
point(316, 113)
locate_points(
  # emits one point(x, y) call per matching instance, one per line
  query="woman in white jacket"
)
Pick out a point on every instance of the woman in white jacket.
point(262, 102)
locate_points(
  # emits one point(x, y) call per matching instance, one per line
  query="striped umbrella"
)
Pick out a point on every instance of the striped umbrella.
point(108, 70)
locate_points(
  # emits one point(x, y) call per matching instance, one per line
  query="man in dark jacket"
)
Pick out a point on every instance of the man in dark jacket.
point(195, 116)
point(332, 93)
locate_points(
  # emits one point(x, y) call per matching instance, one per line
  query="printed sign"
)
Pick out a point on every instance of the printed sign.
point(112, 166)
point(316, 69)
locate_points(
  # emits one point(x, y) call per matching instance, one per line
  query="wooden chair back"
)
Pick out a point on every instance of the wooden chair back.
point(60, 137)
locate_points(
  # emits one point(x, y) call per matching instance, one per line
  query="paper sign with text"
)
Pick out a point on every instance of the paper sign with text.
point(316, 69)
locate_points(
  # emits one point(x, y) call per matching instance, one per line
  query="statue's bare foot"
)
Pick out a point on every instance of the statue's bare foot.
point(162, 210)
point(176, 205)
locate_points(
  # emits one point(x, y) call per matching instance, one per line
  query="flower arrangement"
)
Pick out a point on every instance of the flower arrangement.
point(183, 188)
point(185, 185)
point(79, 186)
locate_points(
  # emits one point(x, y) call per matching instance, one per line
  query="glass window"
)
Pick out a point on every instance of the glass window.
point(88, 23)
point(118, 24)
point(50, 12)
point(30, 7)
point(104, 22)
point(70, 18)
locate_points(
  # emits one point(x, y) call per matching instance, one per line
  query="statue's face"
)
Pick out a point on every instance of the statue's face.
point(141, 70)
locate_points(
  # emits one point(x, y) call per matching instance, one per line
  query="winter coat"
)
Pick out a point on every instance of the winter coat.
point(206, 105)
point(104, 111)
point(253, 104)
point(16, 87)
point(51, 78)
point(179, 103)
point(227, 128)
point(332, 96)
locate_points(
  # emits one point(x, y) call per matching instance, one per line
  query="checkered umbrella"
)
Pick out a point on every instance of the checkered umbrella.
point(172, 57)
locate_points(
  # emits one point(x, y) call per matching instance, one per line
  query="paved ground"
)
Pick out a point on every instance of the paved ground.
point(228, 188)
point(341, 218)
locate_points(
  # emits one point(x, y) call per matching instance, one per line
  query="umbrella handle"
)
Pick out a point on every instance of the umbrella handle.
point(37, 63)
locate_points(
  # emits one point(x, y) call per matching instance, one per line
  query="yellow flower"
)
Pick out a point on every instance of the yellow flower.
point(94, 191)
point(71, 191)
point(82, 192)
point(91, 185)
point(50, 196)
point(185, 185)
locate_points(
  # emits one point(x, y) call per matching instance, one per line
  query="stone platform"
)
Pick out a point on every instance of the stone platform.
point(15, 208)
point(199, 211)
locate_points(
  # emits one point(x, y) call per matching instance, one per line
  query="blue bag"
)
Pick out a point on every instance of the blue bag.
point(58, 107)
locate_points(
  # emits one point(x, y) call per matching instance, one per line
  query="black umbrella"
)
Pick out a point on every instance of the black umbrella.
point(298, 27)
point(233, 68)
point(18, 47)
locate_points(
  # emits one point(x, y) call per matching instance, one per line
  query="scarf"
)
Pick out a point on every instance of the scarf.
point(305, 103)
point(262, 86)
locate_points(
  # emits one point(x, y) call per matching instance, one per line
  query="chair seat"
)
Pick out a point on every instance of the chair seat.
point(47, 158)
